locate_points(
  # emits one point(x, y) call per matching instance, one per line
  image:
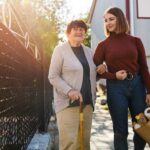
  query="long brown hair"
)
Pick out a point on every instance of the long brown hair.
point(122, 23)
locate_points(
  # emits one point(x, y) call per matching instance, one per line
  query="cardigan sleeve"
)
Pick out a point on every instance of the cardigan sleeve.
point(99, 58)
point(55, 69)
point(143, 64)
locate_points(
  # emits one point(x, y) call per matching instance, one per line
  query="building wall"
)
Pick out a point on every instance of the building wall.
point(97, 20)
point(140, 28)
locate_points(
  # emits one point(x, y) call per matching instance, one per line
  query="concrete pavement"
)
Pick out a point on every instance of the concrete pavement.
point(101, 134)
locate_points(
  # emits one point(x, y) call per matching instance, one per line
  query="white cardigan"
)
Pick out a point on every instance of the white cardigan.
point(66, 73)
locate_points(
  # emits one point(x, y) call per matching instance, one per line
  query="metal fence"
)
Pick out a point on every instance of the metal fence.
point(25, 103)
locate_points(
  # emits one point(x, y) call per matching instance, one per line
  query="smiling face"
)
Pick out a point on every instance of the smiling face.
point(115, 21)
point(76, 35)
point(110, 22)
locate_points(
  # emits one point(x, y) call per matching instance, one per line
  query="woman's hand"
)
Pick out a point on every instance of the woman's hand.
point(75, 95)
point(148, 99)
point(101, 68)
point(121, 74)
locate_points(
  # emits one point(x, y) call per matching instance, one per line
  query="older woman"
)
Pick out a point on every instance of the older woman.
point(72, 74)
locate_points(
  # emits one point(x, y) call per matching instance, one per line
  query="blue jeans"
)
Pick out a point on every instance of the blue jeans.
point(121, 95)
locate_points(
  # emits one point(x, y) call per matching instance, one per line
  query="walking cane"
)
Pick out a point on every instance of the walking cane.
point(81, 127)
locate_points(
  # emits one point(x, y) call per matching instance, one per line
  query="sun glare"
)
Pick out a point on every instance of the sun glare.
point(79, 8)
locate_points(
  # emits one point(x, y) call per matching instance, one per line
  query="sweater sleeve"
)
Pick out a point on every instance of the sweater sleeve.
point(99, 55)
point(143, 64)
point(55, 69)
point(99, 58)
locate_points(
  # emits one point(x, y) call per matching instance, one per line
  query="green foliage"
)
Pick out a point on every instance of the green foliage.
point(87, 40)
point(48, 25)
point(43, 21)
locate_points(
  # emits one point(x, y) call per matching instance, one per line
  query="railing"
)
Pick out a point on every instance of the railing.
point(25, 94)
point(23, 108)
point(11, 18)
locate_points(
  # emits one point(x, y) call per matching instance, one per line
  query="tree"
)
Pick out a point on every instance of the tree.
point(45, 22)
point(49, 24)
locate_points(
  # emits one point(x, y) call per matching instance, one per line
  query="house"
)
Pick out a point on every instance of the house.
point(137, 13)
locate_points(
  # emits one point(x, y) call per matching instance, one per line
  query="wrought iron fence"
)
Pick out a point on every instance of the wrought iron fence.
point(24, 106)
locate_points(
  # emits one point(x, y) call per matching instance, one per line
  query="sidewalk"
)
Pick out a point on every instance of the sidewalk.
point(102, 132)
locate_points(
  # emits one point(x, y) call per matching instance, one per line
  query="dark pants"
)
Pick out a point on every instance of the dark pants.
point(124, 94)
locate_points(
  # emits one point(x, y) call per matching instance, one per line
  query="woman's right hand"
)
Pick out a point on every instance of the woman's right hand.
point(121, 74)
point(75, 95)
point(101, 68)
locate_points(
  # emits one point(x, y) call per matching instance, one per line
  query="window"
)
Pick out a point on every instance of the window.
point(143, 9)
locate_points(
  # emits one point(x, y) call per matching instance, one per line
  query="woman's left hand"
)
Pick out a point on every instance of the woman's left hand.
point(148, 99)
point(101, 68)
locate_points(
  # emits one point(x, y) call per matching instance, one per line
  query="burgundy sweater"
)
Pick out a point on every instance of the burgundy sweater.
point(122, 51)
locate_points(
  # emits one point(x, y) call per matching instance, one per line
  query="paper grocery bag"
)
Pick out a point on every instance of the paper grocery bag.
point(144, 132)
